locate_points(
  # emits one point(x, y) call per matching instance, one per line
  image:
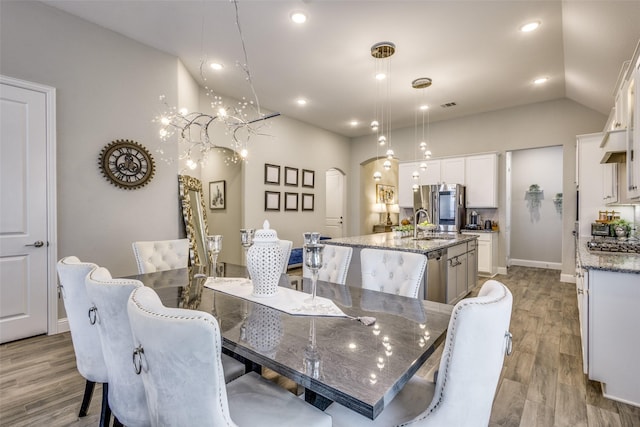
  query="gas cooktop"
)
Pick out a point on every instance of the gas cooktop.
point(615, 246)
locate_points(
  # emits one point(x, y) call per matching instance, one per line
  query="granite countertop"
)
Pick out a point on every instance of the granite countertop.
point(388, 241)
point(484, 230)
point(607, 261)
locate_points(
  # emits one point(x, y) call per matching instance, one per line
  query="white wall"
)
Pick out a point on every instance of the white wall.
point(529, 126)
point(536, 233)
point(107, 89)
point(295, 144)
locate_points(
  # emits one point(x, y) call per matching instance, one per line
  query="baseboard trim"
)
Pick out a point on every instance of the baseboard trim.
point(537, 264)
point(63, 326)
point(502, 270)
point(568, 278)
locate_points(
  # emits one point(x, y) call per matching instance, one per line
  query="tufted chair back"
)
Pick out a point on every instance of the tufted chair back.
point(86, 341)
point(285, 247)
point(181, 365)
point(161, 255)
point(477, 339)
point(393, 272)
point(336, 264)
point(109, 298)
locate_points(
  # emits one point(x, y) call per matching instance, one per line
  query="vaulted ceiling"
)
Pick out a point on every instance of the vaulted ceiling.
point(472, 50)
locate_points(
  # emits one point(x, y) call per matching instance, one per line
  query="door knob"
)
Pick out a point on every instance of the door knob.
point(37, 244)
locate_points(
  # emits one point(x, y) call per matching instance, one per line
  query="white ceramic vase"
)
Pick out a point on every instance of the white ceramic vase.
point(264, 262)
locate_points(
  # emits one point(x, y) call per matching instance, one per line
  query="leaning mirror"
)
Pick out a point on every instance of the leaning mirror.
point(195, 218)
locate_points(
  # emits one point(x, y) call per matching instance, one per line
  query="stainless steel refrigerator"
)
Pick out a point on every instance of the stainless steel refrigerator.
point(445, 205)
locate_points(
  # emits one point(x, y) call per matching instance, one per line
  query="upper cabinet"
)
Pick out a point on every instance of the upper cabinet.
point(633, 130)
point(482, 181)
point(479, 173)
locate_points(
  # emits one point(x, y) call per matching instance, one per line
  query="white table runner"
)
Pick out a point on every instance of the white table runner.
point(287, 300)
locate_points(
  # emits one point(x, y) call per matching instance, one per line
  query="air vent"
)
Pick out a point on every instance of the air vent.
point(448, 105)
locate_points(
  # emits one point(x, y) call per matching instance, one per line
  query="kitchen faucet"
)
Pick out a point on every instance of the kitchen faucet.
point(415, 220)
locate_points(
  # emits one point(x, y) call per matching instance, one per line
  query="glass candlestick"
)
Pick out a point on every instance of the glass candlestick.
point(313, 260)
point(246, 240)
point(214, 246)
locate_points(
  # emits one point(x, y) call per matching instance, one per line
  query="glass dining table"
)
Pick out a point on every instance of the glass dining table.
point(333, 358)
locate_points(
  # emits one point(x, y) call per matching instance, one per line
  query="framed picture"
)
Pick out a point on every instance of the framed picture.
point(385, 194)
point(307, 201)
point(290, 201)
point(271, 174)
point(291, 176)
point(271, 200)
point(308, 178)
point(217, 194)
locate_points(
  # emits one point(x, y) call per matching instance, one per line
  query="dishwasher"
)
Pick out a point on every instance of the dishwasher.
point(436, 276)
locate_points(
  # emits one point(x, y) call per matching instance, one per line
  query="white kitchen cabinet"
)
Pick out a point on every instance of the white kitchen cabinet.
point(452, 170)
point(613, 336)
point(482, 181)
point(456, 273)
point(609, 183)
point(472, 265)
point(582, 290)
point(487, 252)
point(633, 132)
point(432, 174)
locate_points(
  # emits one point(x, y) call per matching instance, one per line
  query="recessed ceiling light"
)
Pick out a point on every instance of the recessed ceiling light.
point(301, 101)
point(424, 107)
point(381, 76)
point(354, 123)
point(217, 66)
point(530, 26)
point(298, 17)
point(541, 80)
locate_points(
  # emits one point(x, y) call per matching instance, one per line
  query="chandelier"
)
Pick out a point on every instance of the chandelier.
point(382, 51)
point(421, 83)
point(195, 130)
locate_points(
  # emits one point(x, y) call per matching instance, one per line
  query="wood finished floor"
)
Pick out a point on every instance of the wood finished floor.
point(541, 384)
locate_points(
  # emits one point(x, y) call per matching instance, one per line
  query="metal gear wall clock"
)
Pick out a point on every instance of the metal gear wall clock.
point(126, 164)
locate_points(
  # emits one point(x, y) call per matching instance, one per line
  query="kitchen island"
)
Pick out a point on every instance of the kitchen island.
point(452, 267)
point(608, 292)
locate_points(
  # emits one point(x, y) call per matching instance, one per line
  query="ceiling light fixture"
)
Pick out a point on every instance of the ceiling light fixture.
point(381, 52)
point(301, 101)
point(298, 17)
point(541, 80)
point(422, 83)
point(530, 26)
point(216, 66)
point(354, 123)
point(195, 130)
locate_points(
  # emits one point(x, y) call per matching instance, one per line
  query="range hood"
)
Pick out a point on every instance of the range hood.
point(614, 146)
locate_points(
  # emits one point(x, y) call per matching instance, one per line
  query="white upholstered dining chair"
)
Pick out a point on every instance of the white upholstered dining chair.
point(285, 248)
point(336, 260)
point(393, 272)
point(84, 336)
point(108, 297)
point(477, 339)
point(177, 353)
point(161, 255)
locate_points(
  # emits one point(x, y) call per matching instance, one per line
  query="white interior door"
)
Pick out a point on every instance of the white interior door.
point(335, 203)
point(24, 277)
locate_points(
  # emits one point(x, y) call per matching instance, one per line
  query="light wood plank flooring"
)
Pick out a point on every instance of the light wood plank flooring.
point(541, 384)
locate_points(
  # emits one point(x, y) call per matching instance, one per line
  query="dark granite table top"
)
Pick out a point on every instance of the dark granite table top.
point(362, 367)
point(607, 261)
point(429, 241)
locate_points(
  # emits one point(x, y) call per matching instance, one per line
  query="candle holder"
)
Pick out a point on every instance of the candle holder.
point(312, 361)
point(246, 240)
point(214, 246)
point(313, 254)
